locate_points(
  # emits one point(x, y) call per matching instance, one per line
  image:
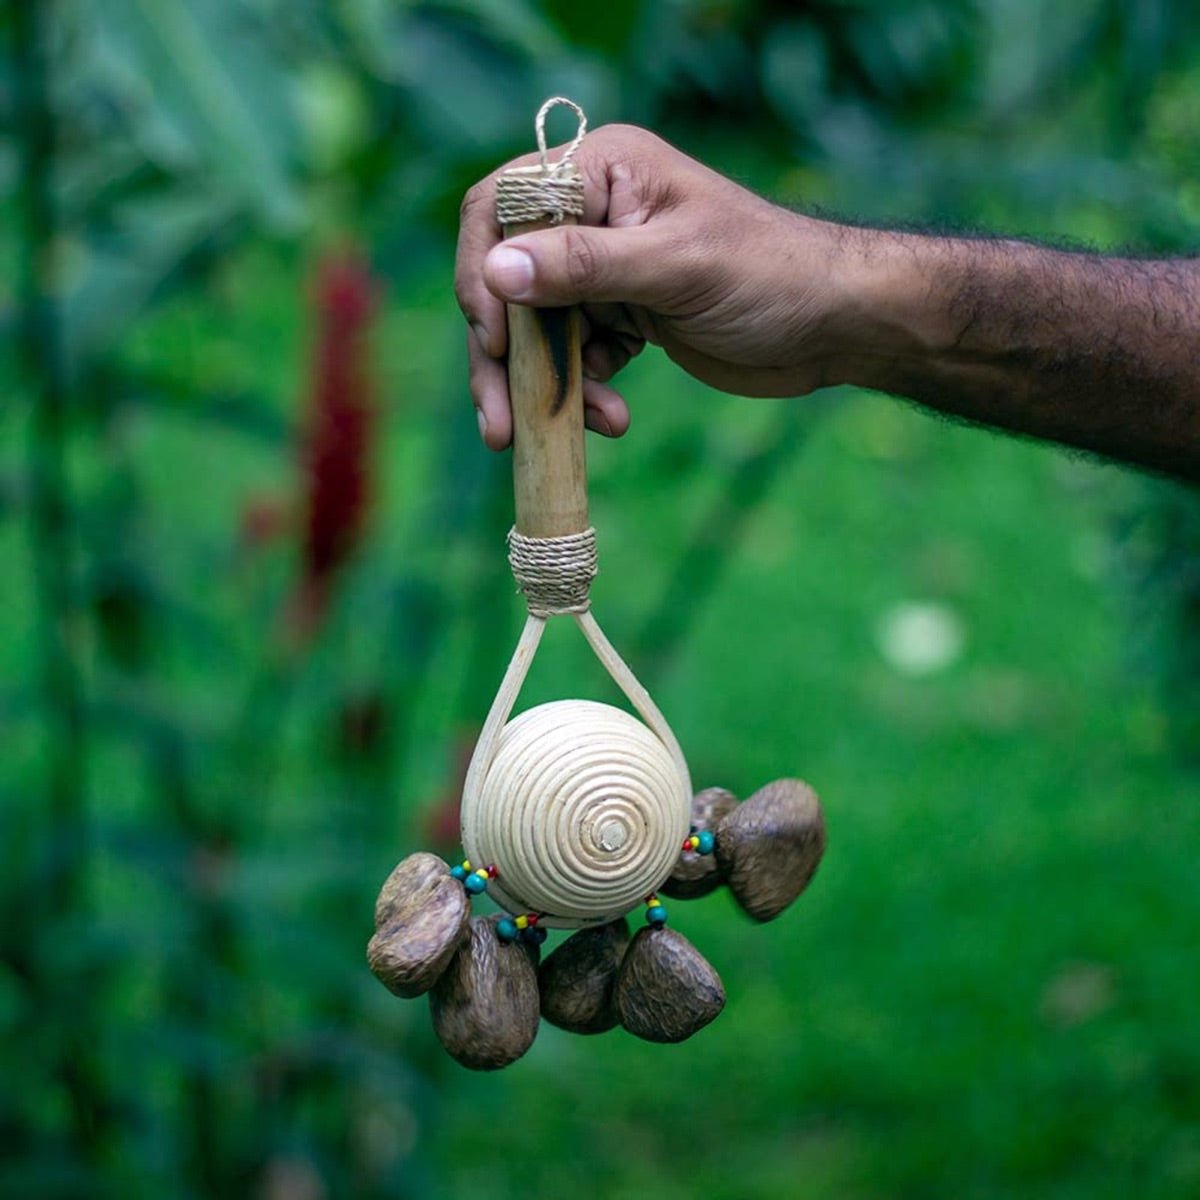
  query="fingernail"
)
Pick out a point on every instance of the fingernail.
point(481, 335)
point(512, 270)
point(482, 422)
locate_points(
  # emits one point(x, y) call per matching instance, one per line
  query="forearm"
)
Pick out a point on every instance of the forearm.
point(1095, 352)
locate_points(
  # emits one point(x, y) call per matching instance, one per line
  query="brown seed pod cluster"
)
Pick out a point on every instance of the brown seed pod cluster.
point(767, 848)
point(485, 1005)
point(487, 995)
point(696, 875)
point(578, 979)
point(420, 918)
point(666, 991)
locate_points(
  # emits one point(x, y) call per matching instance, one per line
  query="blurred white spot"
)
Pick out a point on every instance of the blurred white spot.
point(289, 1177)
point(1079, 992)
point(919, 639)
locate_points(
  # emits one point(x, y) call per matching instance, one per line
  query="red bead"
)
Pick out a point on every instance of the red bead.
point(493, 871)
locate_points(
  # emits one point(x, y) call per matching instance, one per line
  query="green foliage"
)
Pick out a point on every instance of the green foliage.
point(988, 990)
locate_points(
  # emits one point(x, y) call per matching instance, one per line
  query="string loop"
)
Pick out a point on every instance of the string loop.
point(547, 192)
point(539, 129)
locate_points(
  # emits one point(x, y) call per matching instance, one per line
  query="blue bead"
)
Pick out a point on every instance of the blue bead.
point(475, 884)
point(459, 873)
point(707, 842)
point(534, 935)
point(506, 929)
point(656, 915)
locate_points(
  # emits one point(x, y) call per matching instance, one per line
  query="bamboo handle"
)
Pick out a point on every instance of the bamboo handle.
point(545, 384)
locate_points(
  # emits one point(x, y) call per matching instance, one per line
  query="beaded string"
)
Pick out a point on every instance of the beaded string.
point(525, 927)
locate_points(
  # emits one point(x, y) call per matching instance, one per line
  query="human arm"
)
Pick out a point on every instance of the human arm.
point(1095, 352)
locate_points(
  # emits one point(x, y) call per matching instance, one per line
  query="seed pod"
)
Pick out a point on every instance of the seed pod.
point(420, 918)
point(577, 980)
point(485, 1005)
point(696, 875)
point(770, 845)
point(666, 991)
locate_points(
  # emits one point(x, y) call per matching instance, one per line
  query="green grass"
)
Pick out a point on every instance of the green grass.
point(988, 990)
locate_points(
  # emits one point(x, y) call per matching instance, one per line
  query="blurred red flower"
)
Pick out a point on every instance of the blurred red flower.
point(340, 423)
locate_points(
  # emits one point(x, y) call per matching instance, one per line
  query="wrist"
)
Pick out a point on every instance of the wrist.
point(894, 304)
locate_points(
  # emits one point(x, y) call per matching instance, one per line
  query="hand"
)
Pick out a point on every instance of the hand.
point(1092, 351)
point(736, 290)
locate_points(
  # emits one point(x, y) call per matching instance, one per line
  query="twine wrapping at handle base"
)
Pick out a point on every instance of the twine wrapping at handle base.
point(554, 574)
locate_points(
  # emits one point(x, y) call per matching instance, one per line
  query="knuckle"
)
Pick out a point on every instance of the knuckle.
point(620, 132)
point(473, 202)
point(462, 293)
point(695, 257)
point(583, 264)
point(631, 144)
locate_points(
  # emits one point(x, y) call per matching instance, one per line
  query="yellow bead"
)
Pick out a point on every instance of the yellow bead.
point(482, 873)
point(522, 922)
point(693, 842)
point(654, 902)
point(466, 864)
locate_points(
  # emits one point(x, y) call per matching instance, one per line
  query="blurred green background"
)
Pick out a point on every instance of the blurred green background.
point(254, 603)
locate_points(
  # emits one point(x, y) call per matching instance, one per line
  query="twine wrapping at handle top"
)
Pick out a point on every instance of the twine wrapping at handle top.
point(549, 191)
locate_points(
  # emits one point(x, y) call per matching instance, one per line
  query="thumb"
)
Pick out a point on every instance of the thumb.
point(579, 264)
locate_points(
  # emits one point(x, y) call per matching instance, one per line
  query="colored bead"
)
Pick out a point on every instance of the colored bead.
point(506, 929)
point(706, 842)
point(533, 935)
point(466, 864)
point(475, 884)
point(482, 873)
point(493, 871)
point(522, 922)
point(656, 915)
point(459, 873)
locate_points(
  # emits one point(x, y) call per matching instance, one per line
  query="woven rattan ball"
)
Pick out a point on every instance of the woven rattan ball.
point(582, 810)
